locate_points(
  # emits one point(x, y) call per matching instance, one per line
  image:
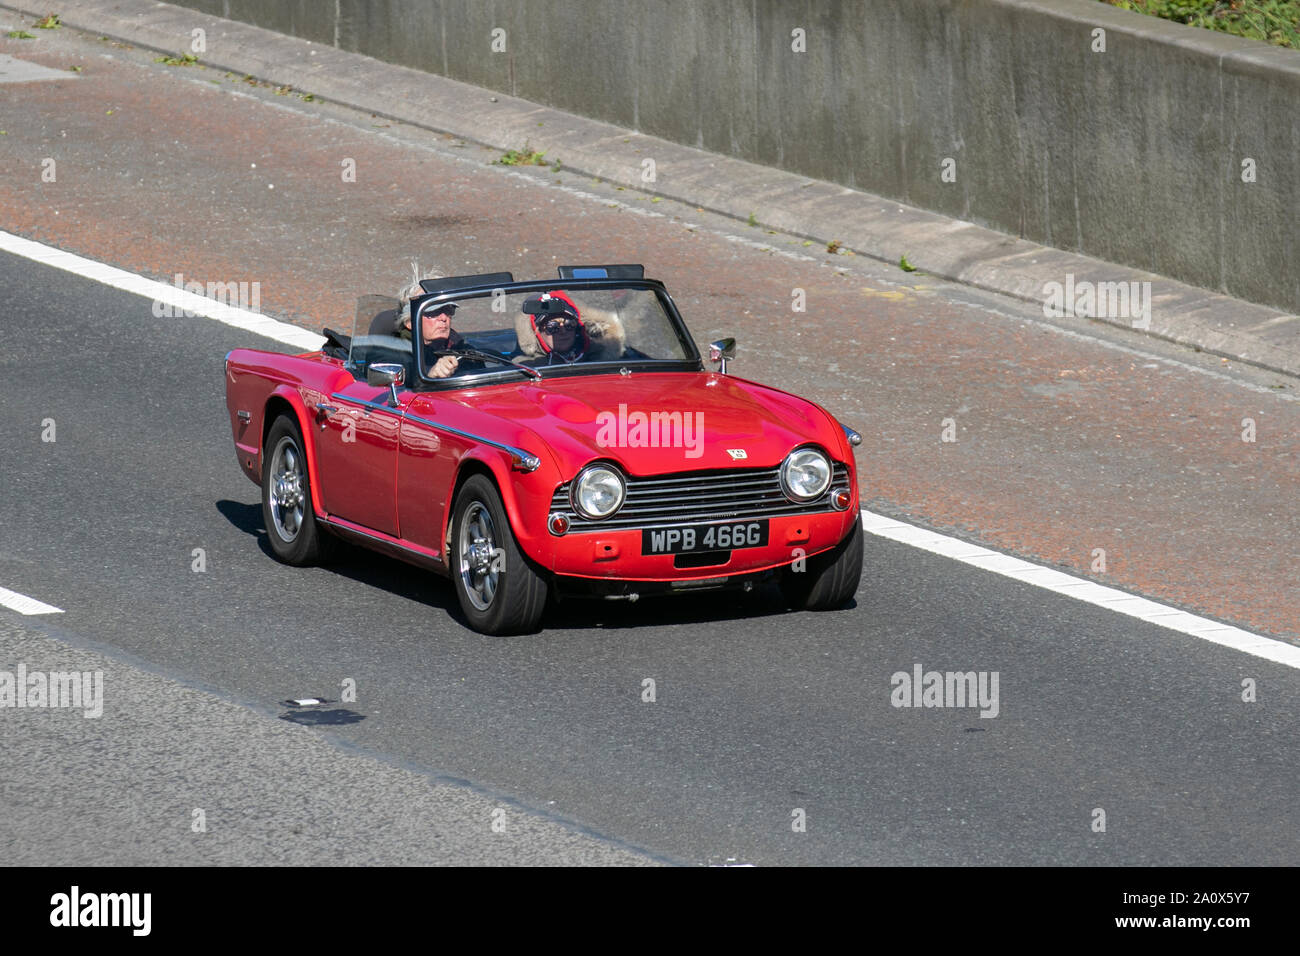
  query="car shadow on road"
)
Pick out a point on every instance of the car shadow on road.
point(248, 519)
point(245, 517)
point(704, 607)
point(417, 584)
point(354, 562)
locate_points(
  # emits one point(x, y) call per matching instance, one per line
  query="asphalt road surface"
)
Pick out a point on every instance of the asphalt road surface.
point(762, 719)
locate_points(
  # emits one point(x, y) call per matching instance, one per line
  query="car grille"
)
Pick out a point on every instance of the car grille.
point(701, 496)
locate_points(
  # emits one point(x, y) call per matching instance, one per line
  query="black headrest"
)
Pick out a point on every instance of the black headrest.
point(384, 323)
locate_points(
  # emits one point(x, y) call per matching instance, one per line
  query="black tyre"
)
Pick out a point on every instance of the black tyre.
point(829, 580)
point(291, 525)
point(498, 588)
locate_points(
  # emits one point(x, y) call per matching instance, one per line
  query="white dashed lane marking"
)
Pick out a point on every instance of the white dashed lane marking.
point(25, 605)
point(14, 70)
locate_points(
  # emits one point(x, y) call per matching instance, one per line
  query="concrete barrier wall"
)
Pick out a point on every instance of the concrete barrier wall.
point(1132, 154)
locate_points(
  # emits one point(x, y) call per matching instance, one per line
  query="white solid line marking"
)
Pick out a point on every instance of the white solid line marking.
point(954, 548)
point(25, 605)
point(15, 70)
point(1082, 590)
point(161, 292)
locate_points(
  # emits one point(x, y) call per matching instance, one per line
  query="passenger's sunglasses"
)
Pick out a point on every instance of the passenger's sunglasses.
point(551, 326)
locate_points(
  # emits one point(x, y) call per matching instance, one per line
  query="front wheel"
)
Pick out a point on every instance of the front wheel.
point(498, 589)
point(291, 525)
point(828, 580)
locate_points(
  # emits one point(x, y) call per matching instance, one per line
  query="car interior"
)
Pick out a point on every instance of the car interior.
point(374, 339)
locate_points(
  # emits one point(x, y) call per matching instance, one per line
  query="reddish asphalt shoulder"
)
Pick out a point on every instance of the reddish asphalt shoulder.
point(859, 222)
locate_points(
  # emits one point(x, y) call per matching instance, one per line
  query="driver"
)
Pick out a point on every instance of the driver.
point(436, 335)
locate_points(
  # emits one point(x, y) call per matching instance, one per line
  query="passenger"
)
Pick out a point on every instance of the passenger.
point(566, 338)
point(561, 336)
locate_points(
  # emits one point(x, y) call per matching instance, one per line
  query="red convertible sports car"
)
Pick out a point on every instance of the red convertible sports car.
point(547, 437)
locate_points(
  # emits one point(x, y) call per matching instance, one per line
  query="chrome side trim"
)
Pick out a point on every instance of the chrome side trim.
point(714, 496)
point(364, 403)
point(520, 460)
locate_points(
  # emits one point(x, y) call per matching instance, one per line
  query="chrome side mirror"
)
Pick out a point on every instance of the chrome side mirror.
point(722, 350)
point(383, 373)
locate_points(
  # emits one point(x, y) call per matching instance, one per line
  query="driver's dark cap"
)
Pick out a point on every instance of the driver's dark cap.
point(448, 307)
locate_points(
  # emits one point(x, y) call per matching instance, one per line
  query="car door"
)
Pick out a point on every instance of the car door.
point(357, 454)
point(428, 452)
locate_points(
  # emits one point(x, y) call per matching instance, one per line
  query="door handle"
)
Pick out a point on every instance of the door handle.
point(323, 412)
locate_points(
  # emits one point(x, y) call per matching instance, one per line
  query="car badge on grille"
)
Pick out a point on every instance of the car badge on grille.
point(737, 453)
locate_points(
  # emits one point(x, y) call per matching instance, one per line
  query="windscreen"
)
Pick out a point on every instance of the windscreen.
point(556, 328)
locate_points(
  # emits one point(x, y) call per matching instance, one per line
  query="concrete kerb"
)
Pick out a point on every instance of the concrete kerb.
point(815, 210)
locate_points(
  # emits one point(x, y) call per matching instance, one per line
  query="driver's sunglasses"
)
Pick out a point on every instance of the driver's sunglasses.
point(551, 326)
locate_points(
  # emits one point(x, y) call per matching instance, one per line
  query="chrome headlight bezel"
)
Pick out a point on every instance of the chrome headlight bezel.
point(598, 471)
point(805, 456)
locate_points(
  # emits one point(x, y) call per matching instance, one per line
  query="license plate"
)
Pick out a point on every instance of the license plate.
point(704, 537)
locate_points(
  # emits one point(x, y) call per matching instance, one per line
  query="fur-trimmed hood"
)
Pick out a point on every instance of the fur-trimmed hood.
point(606, 334)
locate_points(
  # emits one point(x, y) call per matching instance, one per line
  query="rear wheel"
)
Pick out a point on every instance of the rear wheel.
point(499, 590)
point(291, 525)
point(829, 580)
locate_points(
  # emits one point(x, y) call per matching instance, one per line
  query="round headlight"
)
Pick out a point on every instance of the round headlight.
point(597, 492)
point(805, 474)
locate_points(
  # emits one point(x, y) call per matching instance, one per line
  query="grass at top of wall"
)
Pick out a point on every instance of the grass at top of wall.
point(1272, 21)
